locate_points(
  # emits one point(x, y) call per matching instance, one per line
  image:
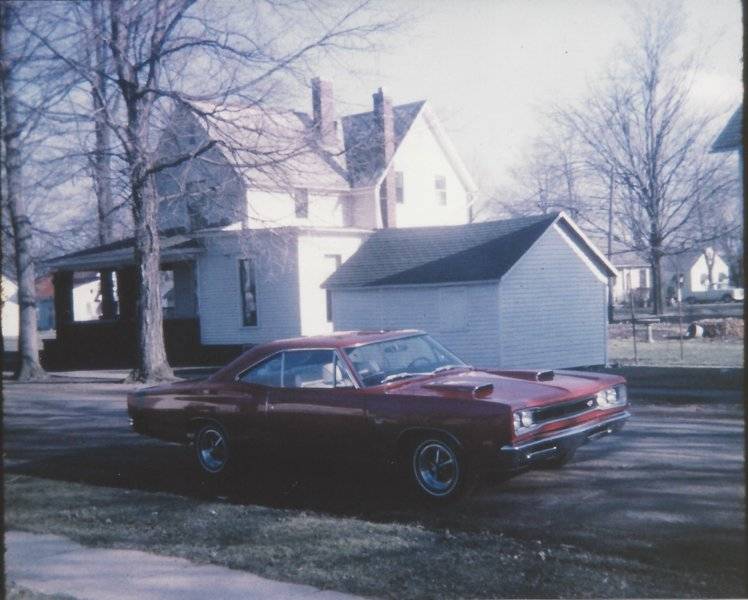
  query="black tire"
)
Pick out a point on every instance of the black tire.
point(436, 469)
point(212, 450)
point(727, 298)
point(690, 300)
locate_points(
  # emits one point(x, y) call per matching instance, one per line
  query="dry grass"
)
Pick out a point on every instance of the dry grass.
point(383, 559)
point(700, 352)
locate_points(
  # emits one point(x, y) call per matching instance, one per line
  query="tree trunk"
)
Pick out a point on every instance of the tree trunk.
point(102, 170)
point(658, 288)
point(29, 366)
point(152, 362)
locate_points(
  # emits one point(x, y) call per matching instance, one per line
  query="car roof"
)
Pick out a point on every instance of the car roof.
point(341, 339)
point(335, 340)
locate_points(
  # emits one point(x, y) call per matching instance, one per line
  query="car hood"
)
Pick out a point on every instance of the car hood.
point(520, 389)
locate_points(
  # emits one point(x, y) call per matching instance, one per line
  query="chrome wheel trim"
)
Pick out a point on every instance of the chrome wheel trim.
point(436, 468)
point(212, 449)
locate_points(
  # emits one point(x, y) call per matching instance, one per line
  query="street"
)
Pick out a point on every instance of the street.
point(668, 491)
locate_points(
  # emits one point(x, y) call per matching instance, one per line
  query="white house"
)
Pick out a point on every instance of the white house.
point(694, 267)
point(634, 277)
point(248, 238)
point(528, 292)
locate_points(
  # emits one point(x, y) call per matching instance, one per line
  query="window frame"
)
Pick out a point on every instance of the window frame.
point(337, 359)
point(399, 187)
point(338, 258)
point(440, 187)
point(242, 296)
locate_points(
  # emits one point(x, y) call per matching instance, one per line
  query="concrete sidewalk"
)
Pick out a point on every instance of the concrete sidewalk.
point(51, 564)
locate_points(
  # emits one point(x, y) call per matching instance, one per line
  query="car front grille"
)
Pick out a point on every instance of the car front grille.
point(566, 409)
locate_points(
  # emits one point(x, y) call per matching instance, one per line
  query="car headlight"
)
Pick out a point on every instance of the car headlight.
point(614, 396)
point(523, 421)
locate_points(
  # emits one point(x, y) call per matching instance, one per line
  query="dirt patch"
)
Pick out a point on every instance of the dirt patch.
point(728, 329)
point(722, 328)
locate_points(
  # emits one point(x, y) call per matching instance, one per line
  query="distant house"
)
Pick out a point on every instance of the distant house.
point(694, 268)
point(528, 292)
point(634, 278)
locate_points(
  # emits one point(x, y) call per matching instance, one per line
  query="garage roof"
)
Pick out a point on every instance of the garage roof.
point(446, 254)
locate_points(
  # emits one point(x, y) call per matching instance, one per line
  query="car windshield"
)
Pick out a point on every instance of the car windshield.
point(381, 362)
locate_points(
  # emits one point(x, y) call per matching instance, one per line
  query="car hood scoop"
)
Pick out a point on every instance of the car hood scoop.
point(477, 390)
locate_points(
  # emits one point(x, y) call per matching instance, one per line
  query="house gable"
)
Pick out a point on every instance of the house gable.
point(424, 154)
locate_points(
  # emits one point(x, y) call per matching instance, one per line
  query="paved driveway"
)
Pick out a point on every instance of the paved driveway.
point(668, 490)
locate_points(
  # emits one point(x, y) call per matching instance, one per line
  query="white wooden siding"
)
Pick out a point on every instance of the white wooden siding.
point(553, 309)
point(420, 158)
point(314, 268)
point(219, 295)
point(418, 307)
point(277, 209)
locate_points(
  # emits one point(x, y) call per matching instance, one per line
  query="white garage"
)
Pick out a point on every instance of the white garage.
point(529, 292)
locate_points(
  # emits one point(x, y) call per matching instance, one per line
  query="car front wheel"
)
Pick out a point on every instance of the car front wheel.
point(212, 449)
point(437, 469)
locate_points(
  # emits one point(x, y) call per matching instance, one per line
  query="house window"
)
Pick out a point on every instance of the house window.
point(440, 184)
point(399, 187)
point(167, 293)
point(248, 291)
point(301, 204)
point(643, 278)
point(333, 261)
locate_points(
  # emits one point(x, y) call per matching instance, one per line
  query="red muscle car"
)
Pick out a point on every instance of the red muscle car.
point(395, 396)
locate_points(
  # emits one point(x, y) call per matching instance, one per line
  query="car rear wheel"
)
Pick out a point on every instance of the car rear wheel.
point(727, 298)
point(691, 300)
point(212, 449)
point(437, 469)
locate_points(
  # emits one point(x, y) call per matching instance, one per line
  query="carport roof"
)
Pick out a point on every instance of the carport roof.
point(446, 254)
point(174, 245)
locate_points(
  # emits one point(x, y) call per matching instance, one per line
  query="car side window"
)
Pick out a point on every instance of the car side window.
point(314, 369)
point(268, 372)
point(309, 369)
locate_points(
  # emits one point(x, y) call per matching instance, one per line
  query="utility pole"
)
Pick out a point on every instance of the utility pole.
point(610, 245)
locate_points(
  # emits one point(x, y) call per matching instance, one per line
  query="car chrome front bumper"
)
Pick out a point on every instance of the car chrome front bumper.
point(556, 445)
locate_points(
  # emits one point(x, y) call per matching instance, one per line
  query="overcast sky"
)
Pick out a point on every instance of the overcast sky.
point(490, 66)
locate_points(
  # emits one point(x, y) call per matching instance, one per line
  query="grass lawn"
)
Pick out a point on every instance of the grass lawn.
point(383, 559)
point(696, 352)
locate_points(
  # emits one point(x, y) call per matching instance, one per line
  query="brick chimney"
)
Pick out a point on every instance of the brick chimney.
point(384, 120)
point(323, 109)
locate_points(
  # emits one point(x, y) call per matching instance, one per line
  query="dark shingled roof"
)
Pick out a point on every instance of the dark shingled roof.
point(731, 137)
point(450, 253)
point(360, 140)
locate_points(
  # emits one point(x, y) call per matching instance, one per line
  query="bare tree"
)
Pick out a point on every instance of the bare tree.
point(27, 91)
point(168, 57)
point(639, 127)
